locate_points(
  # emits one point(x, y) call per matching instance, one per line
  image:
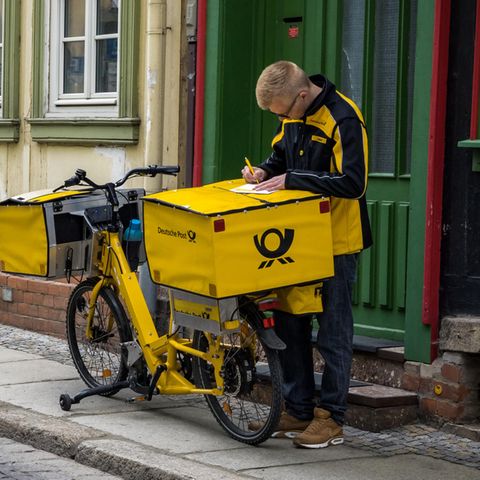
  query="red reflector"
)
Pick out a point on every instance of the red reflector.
point(324, 207)
point(269, 304)
point(219, 225)
point(268, 322)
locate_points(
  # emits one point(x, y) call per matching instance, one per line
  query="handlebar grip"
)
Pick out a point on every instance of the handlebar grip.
point(75, 180)
point(164, 169)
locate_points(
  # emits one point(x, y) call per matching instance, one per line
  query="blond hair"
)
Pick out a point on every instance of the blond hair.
point(280, 79)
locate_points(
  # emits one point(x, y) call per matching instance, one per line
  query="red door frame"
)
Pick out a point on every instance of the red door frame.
point(436, 158)
point(474, 133)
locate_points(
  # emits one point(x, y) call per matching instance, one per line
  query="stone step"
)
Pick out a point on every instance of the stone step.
point(374, 345)
point(377, 361)
point(467, 430)
point(383, 347)
point(376, 407)
point(373, 407)
point(378, 396)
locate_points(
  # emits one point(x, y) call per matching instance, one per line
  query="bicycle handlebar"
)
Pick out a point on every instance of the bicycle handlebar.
point(150, 171)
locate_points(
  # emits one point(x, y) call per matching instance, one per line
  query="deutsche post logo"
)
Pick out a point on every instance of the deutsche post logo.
point(284, 241)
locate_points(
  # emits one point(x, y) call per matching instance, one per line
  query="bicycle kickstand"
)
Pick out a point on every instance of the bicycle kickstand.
point(150, 389)
point(66, 401)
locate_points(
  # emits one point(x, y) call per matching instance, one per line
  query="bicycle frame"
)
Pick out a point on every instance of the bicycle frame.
point(232, 353)
point(160, 352)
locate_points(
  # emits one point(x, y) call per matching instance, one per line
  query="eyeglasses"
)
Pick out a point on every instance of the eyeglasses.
point(287, 113)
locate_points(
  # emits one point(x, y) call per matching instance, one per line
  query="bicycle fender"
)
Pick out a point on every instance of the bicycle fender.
point(271, 339)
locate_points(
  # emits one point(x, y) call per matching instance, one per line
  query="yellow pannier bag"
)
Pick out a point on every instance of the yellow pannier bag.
point(300, 299)
point(220, 243)
point(24, 236)
point(49, 234)
point(23, 240)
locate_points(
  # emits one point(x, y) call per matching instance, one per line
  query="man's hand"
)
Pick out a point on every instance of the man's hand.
point(274, 183)
point(249, 178)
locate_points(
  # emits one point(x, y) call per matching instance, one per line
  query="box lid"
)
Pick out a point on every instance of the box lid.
point(44, 196)
point(218, 198)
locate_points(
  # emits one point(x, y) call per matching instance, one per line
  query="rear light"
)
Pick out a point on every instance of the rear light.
point(268, 304)
point(324, 207)
point(219, 225)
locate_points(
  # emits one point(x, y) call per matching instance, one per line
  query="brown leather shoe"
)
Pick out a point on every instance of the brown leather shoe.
point(288, 426)
point(322, 432)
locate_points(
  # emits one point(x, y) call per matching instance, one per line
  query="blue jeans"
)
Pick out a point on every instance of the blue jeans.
point(334, 342)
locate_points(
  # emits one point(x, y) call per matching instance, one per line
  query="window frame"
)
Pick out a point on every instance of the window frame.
point(93, 127)
point(89, 102)
point(9, 121)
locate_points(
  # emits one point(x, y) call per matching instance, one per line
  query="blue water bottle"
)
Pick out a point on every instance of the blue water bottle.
point(132, 238)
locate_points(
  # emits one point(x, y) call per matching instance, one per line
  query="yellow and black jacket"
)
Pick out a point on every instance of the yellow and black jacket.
point(326, 152)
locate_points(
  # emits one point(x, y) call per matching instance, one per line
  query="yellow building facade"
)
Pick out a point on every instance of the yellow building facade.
point(99, 85)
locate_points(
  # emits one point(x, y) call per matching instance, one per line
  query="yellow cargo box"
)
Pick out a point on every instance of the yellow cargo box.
point(221, 243)
point(50, 234)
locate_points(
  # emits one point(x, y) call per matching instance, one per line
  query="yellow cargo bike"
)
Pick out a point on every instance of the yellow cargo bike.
point(225, 258)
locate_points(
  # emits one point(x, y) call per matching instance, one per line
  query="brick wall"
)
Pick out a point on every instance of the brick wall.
point(36, 305)
point(448, 389)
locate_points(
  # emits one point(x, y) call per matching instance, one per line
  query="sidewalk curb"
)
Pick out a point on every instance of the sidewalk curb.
point(96, 449)
point(41, 431)
point(137, 462)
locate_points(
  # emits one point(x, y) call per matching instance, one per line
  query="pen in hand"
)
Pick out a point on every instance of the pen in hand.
point(249, 165)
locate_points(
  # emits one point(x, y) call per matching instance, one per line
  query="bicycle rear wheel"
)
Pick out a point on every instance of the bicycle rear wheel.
point(98, 359)
point(250, 406)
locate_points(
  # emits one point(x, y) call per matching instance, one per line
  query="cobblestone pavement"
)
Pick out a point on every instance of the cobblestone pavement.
point(420, 439)
point(23, 462)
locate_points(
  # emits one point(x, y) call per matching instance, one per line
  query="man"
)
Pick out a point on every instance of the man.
point(321, 146)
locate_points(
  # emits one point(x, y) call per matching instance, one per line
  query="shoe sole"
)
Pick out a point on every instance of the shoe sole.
point(332, 441)
point(286, 434)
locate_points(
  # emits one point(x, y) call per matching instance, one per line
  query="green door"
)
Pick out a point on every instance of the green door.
point(379, 77)
point(367, 48)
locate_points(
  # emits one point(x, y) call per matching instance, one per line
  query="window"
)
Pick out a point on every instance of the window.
point(378, 40)
point(84, 57)
point(352, 55)
point(85, 72)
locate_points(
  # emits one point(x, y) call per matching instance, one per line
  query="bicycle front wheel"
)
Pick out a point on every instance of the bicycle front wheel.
point(251, 403)
point(98, 357)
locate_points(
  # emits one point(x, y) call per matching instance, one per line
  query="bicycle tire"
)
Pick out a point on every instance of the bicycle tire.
point(241, 411)
point(99, 360)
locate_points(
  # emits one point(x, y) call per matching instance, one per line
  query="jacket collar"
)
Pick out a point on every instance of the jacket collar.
point(327, 87)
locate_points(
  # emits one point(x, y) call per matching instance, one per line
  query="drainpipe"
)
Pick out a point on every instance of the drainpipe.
point(436, 158)
point(154, 102)
point(199, 93)
point(154, 86)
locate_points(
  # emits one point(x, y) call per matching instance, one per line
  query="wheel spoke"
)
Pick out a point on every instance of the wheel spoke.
point(248, 409)
point(98, 359)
